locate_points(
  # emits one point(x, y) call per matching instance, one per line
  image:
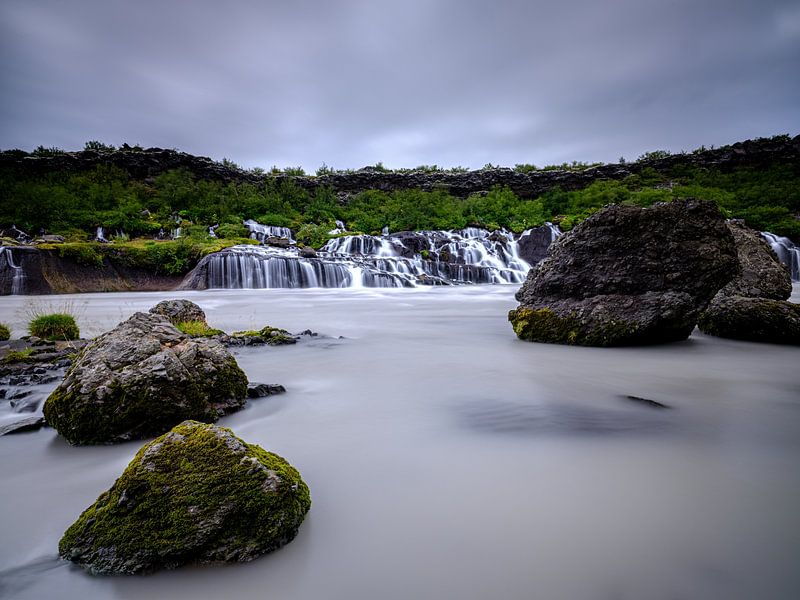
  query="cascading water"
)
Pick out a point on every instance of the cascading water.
point(261, 232)
point(404, 259)
point(100, 235)
point(17, 272)
point(787, 252)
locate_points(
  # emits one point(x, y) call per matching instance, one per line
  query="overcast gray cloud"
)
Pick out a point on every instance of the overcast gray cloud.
point(352, 82)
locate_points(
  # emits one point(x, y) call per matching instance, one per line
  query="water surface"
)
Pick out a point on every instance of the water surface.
point(446, 459)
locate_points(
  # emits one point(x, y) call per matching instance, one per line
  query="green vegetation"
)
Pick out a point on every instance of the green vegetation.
point(274, 336)
point(197, 329)
point(5, 332)
point(55, 326)
point(18, 356)
point(73, 204)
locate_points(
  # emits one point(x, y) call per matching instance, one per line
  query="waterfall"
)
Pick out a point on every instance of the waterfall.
point(787, 252)
point(404, 259)
point(261, 232)
point(17, 272)
point(100, 235)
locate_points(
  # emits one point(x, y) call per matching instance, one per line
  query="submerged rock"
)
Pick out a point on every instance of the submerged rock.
point(179, 311)
point(262, 390)
point(628, 275)
point(195, 495)
point(753, 305)
point(141, 378)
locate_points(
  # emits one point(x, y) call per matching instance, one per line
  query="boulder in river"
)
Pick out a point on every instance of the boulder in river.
point(197, 494)
point(142, 378)
point(753, 305)
point(179, 311)
point(628, 275)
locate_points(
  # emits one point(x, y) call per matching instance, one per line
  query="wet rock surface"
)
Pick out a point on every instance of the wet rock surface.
point(179, 311)
point(197, 494)
point(752, 319)
point(28, 368)
point(262, 390)
point(753, 305)
point(141, 378)
point(628, 275)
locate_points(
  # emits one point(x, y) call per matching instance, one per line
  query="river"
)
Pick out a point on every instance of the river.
point(447, 459)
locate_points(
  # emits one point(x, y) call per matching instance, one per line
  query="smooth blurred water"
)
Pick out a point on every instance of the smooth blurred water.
point(446, 459)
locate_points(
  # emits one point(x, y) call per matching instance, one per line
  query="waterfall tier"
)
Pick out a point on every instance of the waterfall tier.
point(9, 268)
point(787, 252)
point(405, 259)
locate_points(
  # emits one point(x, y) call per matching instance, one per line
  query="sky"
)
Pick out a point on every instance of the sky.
point(349, 83)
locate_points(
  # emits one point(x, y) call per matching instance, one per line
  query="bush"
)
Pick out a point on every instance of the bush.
point(197, 329)
point(55, 326)
point(229, 230)
point(5, 332)
point(18, 356)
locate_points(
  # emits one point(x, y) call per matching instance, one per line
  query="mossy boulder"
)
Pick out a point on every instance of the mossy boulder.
point(752, 319)
point(628, 276)
point(273, 336)
point(195, 495)
point(179, 311)
point(142, 378)
point(608, 320)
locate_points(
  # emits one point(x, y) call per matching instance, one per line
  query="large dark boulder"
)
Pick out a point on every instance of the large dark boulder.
point(628, 275)
point(195, 495)
point(142, 378)
point(753, 306)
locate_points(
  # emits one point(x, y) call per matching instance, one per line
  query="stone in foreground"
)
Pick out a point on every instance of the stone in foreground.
point(628, 276)
point(142, 378)
point(195, 495)
point(753, 305)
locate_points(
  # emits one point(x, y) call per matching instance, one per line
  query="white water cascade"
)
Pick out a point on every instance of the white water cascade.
point(787, 252)
point(404, 259)
point(17, 272)
point(261, 232)
point(100, 235)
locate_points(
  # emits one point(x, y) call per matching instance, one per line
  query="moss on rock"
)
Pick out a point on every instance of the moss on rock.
point(197, 494)
point(142, 378)
point(274, 336)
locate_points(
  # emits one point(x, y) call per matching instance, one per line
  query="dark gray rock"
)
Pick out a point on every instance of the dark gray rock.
point(533, 246)
point(308, 252)
point(752, 306)
point(762, 274)
point(31, 423)
point(261, 390)
point(628, 275)
point(752, 319)
point(142, 378)
point(179, 311)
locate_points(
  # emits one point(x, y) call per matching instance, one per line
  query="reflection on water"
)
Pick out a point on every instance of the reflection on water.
point(446, 459)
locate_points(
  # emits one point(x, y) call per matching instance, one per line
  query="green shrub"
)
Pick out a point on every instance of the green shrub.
point(197, 329)
point(229, 230)
point(18, 356)
point(5, 332)
point(55, 326)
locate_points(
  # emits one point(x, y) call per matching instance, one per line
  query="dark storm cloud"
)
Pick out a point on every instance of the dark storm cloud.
point(353, 82)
